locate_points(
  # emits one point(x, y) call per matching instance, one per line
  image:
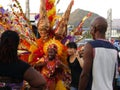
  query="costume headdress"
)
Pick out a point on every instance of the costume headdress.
point(43, 23)
point(78, 30)
point(15, 20)
point(61, 30)
point(83, 21)
point(1, 9)
point(55, 44)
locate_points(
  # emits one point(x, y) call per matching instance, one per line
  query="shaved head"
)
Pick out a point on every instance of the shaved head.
point(100, 24)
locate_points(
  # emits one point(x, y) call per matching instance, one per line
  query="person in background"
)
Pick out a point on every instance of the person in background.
point(100, 59)
point(14, 71)
point(75, 63)
point(35, 31)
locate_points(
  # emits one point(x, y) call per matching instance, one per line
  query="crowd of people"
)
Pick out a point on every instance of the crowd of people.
point(54, 65)
point(96, 70)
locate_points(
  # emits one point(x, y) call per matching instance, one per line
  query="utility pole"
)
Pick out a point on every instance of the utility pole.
point(27, 9)
point(109, 21)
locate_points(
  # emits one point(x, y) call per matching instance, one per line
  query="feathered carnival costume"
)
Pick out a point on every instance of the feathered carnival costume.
point(53, 31)
point(46, 25)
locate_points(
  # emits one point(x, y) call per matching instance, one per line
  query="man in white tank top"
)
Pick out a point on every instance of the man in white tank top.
point(100, 59)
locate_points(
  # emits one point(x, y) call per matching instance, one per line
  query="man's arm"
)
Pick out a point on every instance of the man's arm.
point(88, 60)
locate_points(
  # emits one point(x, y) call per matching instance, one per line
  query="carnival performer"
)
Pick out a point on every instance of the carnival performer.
point(50, 65)
point(41, 58)
point(44, 30)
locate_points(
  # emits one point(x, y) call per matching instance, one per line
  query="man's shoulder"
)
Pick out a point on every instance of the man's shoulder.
point(94, 43)
point(102, 44)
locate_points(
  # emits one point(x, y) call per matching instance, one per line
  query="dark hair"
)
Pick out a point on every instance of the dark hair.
point(35, 31)
point(72, 45)
point(8, 46)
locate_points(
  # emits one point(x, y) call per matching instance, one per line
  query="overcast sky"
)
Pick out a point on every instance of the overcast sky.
point(97, 6)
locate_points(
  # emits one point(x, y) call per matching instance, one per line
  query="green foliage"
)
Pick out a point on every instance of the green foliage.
point(88, 35)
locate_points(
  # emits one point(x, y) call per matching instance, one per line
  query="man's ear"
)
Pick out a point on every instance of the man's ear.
point(95, 30)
